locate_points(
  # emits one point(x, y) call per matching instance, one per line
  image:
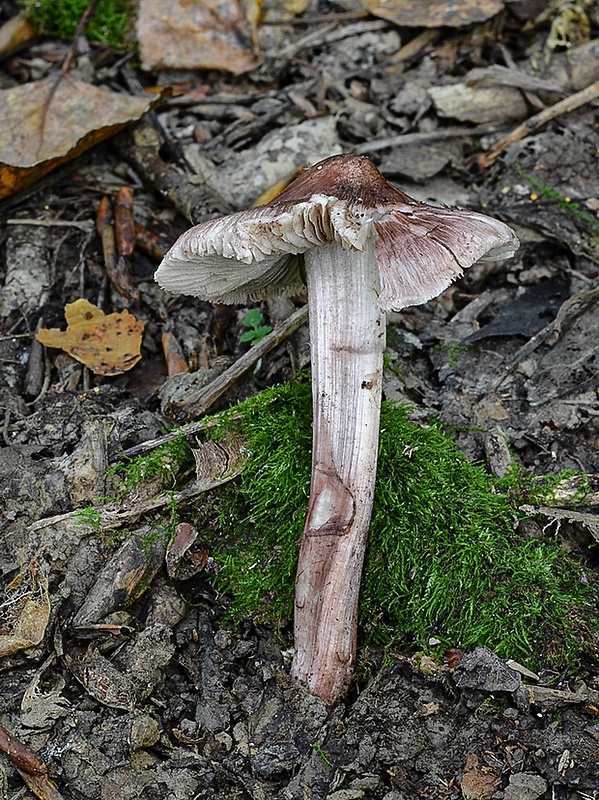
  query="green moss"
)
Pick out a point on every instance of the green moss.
point(110, 22)
point(161, 466)
point(163, 463)
point(89, 515)
point(443, 558)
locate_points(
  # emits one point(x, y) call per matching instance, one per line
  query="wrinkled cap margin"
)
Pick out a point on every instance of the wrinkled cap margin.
point(254, 253)
point(257, 253)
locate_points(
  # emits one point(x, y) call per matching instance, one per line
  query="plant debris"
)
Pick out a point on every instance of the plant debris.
point(107, 344)
point(147, 564)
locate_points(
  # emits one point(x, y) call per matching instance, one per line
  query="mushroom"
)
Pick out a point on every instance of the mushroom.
point(362, 248)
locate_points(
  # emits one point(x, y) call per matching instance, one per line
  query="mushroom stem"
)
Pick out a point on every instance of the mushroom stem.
point(347, 332)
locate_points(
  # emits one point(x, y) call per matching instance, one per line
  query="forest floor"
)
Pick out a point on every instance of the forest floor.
point(117, 679)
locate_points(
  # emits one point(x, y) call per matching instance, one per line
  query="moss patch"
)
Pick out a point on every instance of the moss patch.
point(443, 559)
point(162, 464)
point(109, 24)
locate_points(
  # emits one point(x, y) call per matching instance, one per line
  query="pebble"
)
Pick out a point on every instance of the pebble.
point(525, 786)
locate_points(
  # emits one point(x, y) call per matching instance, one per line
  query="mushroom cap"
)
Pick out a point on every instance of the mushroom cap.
point(420, 249)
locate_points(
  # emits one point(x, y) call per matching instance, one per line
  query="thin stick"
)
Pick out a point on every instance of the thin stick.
point(81, 26)
point(85, 225)
point(426, 136)
point(201, 401)
point(589, 295)
point(326, 35)
point(340, 16)
point(535, 122)
point(22, 756)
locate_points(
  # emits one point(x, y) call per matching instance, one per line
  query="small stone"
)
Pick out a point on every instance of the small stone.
point(144, 732)
point(525, 786)
point(365, 783)
point(485, 670)
point(240, 734)
point(346, 794)
point(275, 760)
point(224, 739)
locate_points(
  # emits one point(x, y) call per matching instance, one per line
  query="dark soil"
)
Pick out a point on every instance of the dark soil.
point(151, 698)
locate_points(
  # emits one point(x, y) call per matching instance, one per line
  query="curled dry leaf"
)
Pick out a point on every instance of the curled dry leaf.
point(107, 344)
point(103, 681)
point(52, 121)
point(39, 709)
point(25, 611)
point(185, 557)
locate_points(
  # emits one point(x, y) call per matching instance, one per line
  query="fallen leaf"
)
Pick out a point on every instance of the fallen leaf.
point(40, 709)
point(25, 612)
point(434, 13)
point(52, 121)
point(185, 557)
point(208, 34)
point(103, 681)
point(478, 782)
point(107, 344)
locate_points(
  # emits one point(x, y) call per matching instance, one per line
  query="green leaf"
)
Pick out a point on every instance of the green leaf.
point(253, 318)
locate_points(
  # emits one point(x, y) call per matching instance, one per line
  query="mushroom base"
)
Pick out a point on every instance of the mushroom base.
point(347, 332)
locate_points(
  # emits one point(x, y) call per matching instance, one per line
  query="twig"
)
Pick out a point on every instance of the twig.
point(41, 786)
point(554, 327)
point(425, 136)
point(22, 756)
point(589, 520)
point(340, 16)
point(535, 122)
point(201, 401)
point(286, 328)
point(412, 49)
point(81, 26)
point(83, 225)
point(114, 519)
point(185, 430)
point(327, 34)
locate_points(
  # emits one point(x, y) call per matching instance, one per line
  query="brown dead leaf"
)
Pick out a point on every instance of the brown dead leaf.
point(52, 121)
point(103, 681)
point(434, 13)
point(107, 344)
point(208, 34)
point(478, 782)
point(25, 612)
point(185, 556)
